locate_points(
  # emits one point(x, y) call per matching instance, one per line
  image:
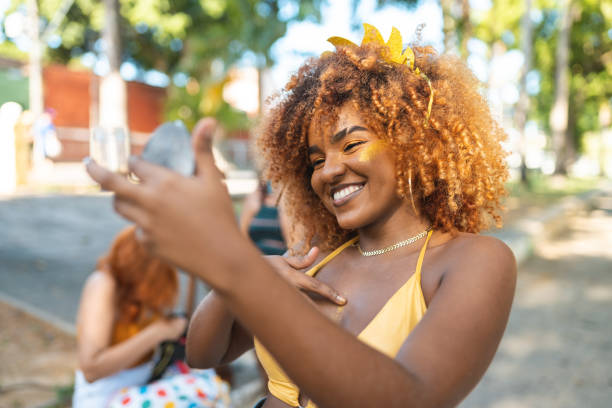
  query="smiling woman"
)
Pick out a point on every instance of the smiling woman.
point(390, 164)
point(389, 148)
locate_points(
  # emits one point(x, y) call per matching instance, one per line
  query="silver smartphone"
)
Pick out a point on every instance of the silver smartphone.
point(170, 146)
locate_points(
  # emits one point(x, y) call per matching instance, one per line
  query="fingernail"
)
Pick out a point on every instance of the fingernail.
point(340, 299)
point(87, 160)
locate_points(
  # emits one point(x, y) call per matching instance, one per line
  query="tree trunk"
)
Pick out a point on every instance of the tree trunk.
point(465, 29)
point(522, 106)
point(559, 112)
point(35, 69)
point(605, 118)
point(260, 91)
point(113, 93)
point(449, 26)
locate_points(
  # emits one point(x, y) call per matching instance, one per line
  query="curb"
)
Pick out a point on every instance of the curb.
point(523, 235)
point(40, 314)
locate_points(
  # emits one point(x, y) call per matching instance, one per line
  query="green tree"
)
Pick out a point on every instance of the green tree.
point(589, 65)
point(194, 37)
point(589, 60)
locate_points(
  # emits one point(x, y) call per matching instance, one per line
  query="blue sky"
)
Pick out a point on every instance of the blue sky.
point(305, 39)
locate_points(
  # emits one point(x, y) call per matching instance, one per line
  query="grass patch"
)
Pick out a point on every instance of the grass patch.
point(542, 189)
point(63, 397)
point(541, 192)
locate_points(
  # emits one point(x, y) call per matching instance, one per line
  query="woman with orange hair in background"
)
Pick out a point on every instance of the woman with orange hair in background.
point(120, 322)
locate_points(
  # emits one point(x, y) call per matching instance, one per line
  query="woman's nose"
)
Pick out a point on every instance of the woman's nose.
point(333, 168)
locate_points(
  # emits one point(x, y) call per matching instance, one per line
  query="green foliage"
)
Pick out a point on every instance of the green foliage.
point(191, 102)
point(14, 87)
point(63, 395)
point(10, 50)
point(177, 36)
point(591, 61)
point(543, 188)
point(590, 64)
point(382, 3)
point(590, 54)
point(502, 17)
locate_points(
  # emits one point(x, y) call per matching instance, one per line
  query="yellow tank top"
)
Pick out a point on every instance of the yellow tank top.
point(386, 332)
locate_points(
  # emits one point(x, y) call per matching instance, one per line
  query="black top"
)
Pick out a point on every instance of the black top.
point(266, 233)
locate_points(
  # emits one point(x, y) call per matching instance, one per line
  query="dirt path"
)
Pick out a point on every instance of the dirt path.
point(558, 346)
point(37, 359)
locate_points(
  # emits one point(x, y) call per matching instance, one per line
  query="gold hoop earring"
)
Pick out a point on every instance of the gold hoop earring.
point(416, 212)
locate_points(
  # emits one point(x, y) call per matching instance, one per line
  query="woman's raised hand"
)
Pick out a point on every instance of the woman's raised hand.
point(186, 220)
point(292, 269)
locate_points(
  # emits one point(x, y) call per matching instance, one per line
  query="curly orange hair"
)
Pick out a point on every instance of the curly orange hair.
point(454, 162)
point(145, 284)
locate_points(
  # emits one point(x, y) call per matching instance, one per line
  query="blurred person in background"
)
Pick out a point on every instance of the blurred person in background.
point(23, 146)
point(122, 319)
point(262, 221)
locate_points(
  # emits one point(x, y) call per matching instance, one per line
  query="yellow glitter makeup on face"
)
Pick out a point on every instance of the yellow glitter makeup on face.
point(371, 150)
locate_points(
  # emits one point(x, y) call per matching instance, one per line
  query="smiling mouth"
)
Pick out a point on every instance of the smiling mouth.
point(344, 194)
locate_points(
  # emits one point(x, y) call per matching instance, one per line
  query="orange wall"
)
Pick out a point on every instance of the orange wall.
point(68, 93)
point(145, 106)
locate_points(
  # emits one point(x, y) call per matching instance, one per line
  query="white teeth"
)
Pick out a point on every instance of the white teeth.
point(340, 194)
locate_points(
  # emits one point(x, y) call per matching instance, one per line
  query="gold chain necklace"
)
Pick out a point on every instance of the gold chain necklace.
point(395, 246)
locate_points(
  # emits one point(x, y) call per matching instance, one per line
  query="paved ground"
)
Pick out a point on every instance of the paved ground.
point(556, 351)
point(49, 245)
point(37, 360)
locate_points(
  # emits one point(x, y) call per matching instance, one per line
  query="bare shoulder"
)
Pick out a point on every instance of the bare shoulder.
point(482, 247)
point(482, 256)
point(97, 303)
point(99, 282)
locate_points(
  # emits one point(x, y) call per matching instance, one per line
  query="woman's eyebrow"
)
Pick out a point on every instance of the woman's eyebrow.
point(314, 149)
point(341, 134)
point(336, 138)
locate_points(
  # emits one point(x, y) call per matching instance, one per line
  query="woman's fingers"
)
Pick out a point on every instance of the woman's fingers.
point(310, 284)
point(300, 279)
point(146, 171)
point(112, 181)
point(202, 140)
point(301, 262)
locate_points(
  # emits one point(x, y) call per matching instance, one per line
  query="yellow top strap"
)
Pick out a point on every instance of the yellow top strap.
point(421, 256)
point(312, 271)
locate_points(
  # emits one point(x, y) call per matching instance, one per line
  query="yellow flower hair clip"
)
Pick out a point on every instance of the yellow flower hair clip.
point(391, 52)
